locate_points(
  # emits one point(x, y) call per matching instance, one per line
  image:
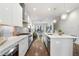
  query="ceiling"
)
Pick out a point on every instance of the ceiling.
point(41, 9)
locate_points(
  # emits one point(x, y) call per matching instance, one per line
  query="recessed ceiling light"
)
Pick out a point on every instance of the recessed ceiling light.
point(34, 9)
point(6, 8)
point(28, 26)
point(49, 9)
point(68, 11)
point(54, 21)
point(64, 16)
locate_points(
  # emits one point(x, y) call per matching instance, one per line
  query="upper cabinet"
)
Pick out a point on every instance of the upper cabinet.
point(11, 14)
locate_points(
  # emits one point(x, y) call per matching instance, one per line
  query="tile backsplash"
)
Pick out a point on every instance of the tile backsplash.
point(6, 31)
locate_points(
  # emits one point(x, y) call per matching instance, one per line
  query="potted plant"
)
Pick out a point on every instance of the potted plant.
point(60, 32)
point(34, 35)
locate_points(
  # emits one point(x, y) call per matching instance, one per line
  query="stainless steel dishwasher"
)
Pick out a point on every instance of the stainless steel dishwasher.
point(12, 52)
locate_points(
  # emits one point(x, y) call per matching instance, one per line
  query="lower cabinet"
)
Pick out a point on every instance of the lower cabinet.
point(10, 51)
point(23, 46)
point(61, 47)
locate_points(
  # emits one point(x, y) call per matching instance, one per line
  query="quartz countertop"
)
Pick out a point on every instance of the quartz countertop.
point(23, 34)
point(60, 36)
point(10, 41)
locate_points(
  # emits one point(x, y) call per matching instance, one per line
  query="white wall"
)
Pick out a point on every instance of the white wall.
point(11, 14)
point(71, 24)
point(43, 22)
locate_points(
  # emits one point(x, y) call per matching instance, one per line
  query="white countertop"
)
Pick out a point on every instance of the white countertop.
point(60, 36)
point(10, 41)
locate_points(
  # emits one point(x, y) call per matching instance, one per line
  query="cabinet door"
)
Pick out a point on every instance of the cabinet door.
point(23, 46)
point(5, 14)
point(55, 47)
point(61, 47)
point(16, 15)
point(11, 14)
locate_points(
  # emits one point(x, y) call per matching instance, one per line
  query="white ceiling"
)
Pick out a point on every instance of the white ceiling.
point(42, 9)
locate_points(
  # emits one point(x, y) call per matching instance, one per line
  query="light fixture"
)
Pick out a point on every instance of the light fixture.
point(28, 26)
point(54, 21)
point(68, 11)
point(6, 8)
point(49, 9)
point(34, 9)
point(64, 16)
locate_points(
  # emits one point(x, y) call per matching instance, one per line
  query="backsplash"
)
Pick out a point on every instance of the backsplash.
point(6, 31)
point(21, 29)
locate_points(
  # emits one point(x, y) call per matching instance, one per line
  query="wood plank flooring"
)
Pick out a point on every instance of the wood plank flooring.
point(37, 49)
point(75, 49)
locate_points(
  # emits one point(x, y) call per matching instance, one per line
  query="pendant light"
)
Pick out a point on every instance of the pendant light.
point(64, 16)
point(54, 19)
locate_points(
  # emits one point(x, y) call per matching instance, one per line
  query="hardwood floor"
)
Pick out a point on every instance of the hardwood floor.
point(75, 49)
point(37, 49)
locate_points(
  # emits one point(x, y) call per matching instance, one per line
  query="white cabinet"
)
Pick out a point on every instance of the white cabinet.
point(61, 47)
point(23, 46)
point(16, 15)
point(11, 14)
point(5, 14)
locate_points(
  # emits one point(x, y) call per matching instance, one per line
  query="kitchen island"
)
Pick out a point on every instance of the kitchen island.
point(60, 45)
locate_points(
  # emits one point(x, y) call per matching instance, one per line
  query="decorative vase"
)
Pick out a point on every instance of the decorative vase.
point(60, 33)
